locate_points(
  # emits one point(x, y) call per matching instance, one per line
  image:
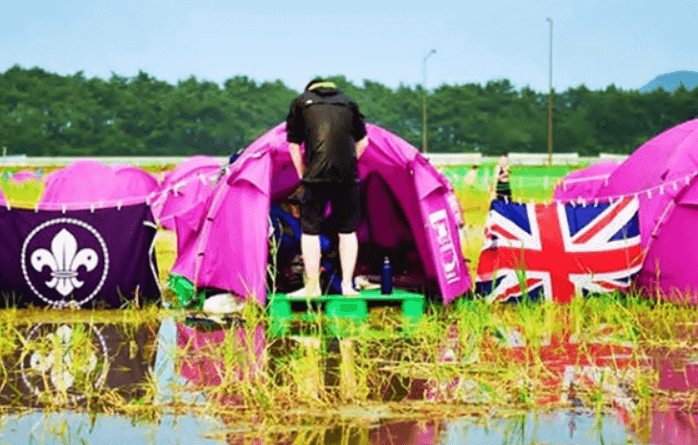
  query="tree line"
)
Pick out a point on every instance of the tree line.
point(46, 114)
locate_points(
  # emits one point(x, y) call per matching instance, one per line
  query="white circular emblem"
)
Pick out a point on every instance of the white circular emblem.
point(52, 354)
point(74, 252)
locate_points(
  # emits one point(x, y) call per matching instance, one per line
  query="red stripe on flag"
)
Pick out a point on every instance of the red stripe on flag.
point(603, 223)
point(503, 232)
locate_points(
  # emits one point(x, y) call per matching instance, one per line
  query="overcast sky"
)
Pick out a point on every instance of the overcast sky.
point(595, 42)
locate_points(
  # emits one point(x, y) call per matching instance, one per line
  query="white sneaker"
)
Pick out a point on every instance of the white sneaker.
point(348, 290)
point(221, 304)
point(305, 292)
point(361, 282)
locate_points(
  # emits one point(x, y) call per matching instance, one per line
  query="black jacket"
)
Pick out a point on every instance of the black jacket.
point(330, 124)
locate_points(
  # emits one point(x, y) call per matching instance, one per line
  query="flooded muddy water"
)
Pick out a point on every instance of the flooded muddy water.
point(141, 361)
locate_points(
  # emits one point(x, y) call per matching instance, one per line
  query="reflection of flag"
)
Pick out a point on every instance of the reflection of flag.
point(99, 258)
point(571, 366)
point(603, 360)
point(69, 362)
point(553, 251)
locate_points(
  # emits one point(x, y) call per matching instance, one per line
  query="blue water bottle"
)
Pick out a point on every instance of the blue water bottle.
point(387, 278)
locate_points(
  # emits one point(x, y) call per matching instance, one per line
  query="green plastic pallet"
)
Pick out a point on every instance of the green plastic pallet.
point(340, 312)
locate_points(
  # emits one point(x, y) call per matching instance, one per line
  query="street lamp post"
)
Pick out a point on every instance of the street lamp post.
point(424, 100)
point(550, 98)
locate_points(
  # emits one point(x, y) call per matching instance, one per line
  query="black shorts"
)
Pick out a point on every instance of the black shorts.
point(344, 198)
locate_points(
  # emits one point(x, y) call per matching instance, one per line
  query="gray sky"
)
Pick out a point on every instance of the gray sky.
point(595, 42)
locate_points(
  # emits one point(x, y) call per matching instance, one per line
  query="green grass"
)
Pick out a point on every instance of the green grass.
point(382, 359)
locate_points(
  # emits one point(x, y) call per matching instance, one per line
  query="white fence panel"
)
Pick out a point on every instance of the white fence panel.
point(454, 158)
point(612, 157)
point(542, 158)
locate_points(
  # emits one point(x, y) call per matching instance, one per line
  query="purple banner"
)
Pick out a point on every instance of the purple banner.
point(91, 259)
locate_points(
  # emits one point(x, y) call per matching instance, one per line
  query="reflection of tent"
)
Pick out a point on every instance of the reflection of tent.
point(202, 362)
point(85, 183)
point(662, 172)
point(410, 213)
point(183, 188)
point(585, 183)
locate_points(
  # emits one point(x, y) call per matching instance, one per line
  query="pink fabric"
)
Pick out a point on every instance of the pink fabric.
point(669, 156)
point(674, 427)
point(50, 177)
point(3, 201)
point(666, 215)
point(25, 175)
point(203, 362)
point(407, 432)
point(442, 231)
point(87, 183)
point(678, 376)
point(183, 188)
point(670, 257)
point(232, 246)
point(585, 183)
point(137, 181)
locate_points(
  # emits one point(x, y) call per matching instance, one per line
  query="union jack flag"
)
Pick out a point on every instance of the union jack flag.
point(554, 252)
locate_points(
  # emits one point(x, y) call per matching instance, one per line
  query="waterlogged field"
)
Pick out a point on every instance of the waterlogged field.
point(459, 368)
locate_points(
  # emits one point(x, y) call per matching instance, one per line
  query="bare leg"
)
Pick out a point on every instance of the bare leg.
point(348, 252)
point(310, 247)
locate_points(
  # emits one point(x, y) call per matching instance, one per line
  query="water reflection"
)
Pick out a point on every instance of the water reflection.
point(68, 363)
point(540, 428)
point(529, 429)
point(65, 364)
point(69, 428)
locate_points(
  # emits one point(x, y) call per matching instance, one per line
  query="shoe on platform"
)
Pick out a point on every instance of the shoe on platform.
point(362, 283)
point(216, 306)
point(305, 292)
point(348, 290)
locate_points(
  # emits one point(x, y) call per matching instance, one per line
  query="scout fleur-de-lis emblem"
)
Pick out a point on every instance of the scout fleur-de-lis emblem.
point(67, 361)
point(58, 363)
point(64, 259)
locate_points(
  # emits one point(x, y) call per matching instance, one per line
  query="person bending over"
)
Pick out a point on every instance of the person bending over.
point(334, 133)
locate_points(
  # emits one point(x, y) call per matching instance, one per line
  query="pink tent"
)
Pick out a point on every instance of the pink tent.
point(137, 181)
point(410, 212)
point(584, 183)
point(662, 173)
point(51, 176)
point(88, 183)
point(25, 175)
point(187, 186)
point(3, 201)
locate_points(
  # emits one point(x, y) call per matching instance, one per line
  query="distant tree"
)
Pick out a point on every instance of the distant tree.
point(42, 113)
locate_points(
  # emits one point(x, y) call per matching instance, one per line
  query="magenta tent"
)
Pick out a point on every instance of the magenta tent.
point(3, 201)
point(185, 187)
point(137, 181)
point(409, 211)
point(89, 183)
point(662, 173)
point(25, 175)
point(585, 183)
